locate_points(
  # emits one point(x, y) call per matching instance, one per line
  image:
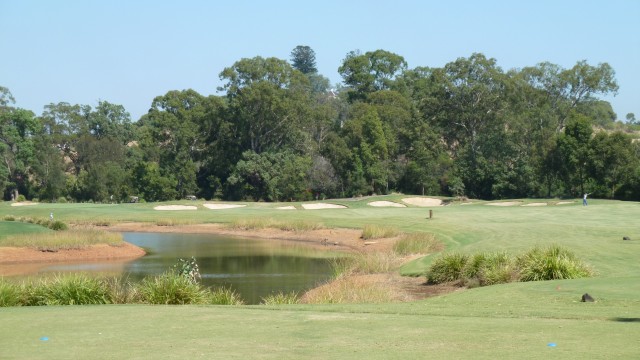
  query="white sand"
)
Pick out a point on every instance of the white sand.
point(318, 206)
point(535, 204)
point(385, 204)
point(506, 203)
point(175, 207)
point(291, 207)
point(26, 203)
point(422, 201)
point(564, 202)
point(222, 206)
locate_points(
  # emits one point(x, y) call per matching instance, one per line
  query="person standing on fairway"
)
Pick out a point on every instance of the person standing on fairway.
point(584, 199)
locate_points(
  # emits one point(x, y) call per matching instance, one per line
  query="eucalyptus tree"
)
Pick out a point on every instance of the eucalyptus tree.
point(370, 72)
point(17, 149)
point(268, 103)
point(176, 134)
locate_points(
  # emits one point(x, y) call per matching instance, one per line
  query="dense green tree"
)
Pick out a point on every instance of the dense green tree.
point(303, 59)
point(370, 72)
point(612, 162)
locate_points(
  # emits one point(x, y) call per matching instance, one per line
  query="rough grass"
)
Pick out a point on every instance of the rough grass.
point(281, 298)
point(171, 288)
point(62, 240)
point(365, 263)
point(266, 223)
point(379, 232)
point(417, 243)
point(349, 290)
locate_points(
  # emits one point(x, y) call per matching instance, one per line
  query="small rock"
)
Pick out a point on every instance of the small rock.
point(626, 238)
point(587, 298)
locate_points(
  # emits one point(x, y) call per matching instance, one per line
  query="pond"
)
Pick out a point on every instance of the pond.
point(253, 268)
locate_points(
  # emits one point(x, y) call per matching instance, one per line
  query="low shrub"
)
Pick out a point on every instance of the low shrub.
point(551, 263)
point(75, 289)
point(172, 288)
point(9, 218)
point(447, 268)
point(21, 198)
point(57, 225)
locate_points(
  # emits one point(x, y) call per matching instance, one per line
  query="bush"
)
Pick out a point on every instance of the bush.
point(62, 200)
point(21, 198)
point(172, 288)
point(224, 296)
point(9, 218)
point(9, 294)
point(551, 263)
point(57, 225)
point(447, 268)
point(76, 289)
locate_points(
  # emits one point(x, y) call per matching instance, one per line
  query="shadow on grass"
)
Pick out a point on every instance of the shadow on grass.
point(626, 319)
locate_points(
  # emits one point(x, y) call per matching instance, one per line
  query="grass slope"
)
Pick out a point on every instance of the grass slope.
point(515, 320)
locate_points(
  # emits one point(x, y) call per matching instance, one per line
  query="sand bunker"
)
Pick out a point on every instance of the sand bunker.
point(421, 201)
point(317, 206)
point(26, 203)
point(385, 204)
point(535, 204)
point(175, 207)
point(564, 202)
point(291, 207)
point(222, 206)
point(506, 203)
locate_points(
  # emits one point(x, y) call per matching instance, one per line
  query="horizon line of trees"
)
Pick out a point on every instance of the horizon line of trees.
point(280, 133)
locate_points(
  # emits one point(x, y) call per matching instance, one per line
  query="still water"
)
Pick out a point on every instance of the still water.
point(253, 268)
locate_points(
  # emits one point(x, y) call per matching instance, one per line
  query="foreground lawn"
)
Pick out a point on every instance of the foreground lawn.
point(517, 320)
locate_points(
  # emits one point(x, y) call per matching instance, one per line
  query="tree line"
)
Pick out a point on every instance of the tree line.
point(280, 132)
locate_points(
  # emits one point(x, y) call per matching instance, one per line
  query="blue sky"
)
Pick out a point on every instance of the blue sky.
point(128, 52)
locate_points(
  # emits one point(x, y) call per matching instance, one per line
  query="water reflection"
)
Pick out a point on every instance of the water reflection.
point(253, 268)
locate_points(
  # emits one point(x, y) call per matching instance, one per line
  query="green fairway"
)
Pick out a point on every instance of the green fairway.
point(17, 228)
point(516, 320)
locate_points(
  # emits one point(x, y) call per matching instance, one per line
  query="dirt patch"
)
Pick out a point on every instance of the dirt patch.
point(175, 207)
point(386, 204)
point(505, 203)
point(222, 206)
point(24, 203)
point(16, 260)
point(422, 201)
point(318, 206)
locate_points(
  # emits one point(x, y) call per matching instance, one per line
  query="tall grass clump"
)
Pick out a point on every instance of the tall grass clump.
point(365, 263)
point(74, 289)
point(10, 294)
point(447, 268)
point(551, 263)
point(172, 288)
point(497, 268)
point(281, 298)
point(174, 222)
point(379, 232)
point(416, 243)
point(224, 296)
point(63, 240)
